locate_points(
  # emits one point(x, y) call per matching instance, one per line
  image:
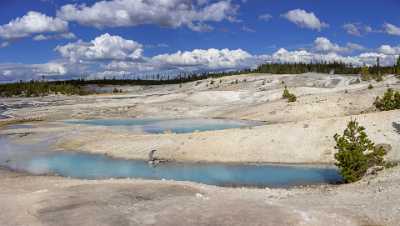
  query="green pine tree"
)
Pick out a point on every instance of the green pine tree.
point(356, 152)
point(389, 101)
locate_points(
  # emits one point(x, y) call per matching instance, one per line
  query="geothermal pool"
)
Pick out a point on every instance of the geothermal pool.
point(2, 110)
point(33, 159)
point(168, 125)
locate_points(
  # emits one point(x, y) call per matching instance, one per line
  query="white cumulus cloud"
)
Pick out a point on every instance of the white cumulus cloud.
point(172, 13)
point(50, 69)
point(104, 47)
point(305, 19)
point(16, 72)
point(322, 44)
point(214, 59)
point(32, 23)
point(369, 58)
point(389, 50)
point(304, 56)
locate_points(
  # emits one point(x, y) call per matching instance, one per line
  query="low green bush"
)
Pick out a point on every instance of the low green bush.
point(356, 153)
point(286, 93)
point(389, 101)
point(289, 96)
point(292, 98)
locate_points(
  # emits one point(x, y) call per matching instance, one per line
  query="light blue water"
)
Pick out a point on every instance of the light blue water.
point(37, 159)
point(3, 109)
point(172, 125)
point(89, 166)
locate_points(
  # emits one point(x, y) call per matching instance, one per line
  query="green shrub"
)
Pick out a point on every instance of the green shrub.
point(356, 152)
point(286, 93)
point(389, 101)
point(289, 96)
point(370, 86)
point(389, 165)
point(292, 98)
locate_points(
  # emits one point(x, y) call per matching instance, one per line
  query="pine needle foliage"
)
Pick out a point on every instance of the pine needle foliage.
point(356, 152)
point(389, 101)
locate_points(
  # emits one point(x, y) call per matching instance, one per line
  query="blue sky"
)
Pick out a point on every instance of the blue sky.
point(67, 38)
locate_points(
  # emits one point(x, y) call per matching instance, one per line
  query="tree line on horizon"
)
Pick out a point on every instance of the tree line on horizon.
point(77, 86)
point(328, 68)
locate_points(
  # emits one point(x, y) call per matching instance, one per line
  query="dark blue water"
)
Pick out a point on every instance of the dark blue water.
point(89, 166)
point(171, 125)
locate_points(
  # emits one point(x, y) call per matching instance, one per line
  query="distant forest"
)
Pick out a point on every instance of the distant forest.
point(330, 68)
point(77, 87)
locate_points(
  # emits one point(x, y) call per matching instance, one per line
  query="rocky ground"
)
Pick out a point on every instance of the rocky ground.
point(299, 132)
point(44, 200)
